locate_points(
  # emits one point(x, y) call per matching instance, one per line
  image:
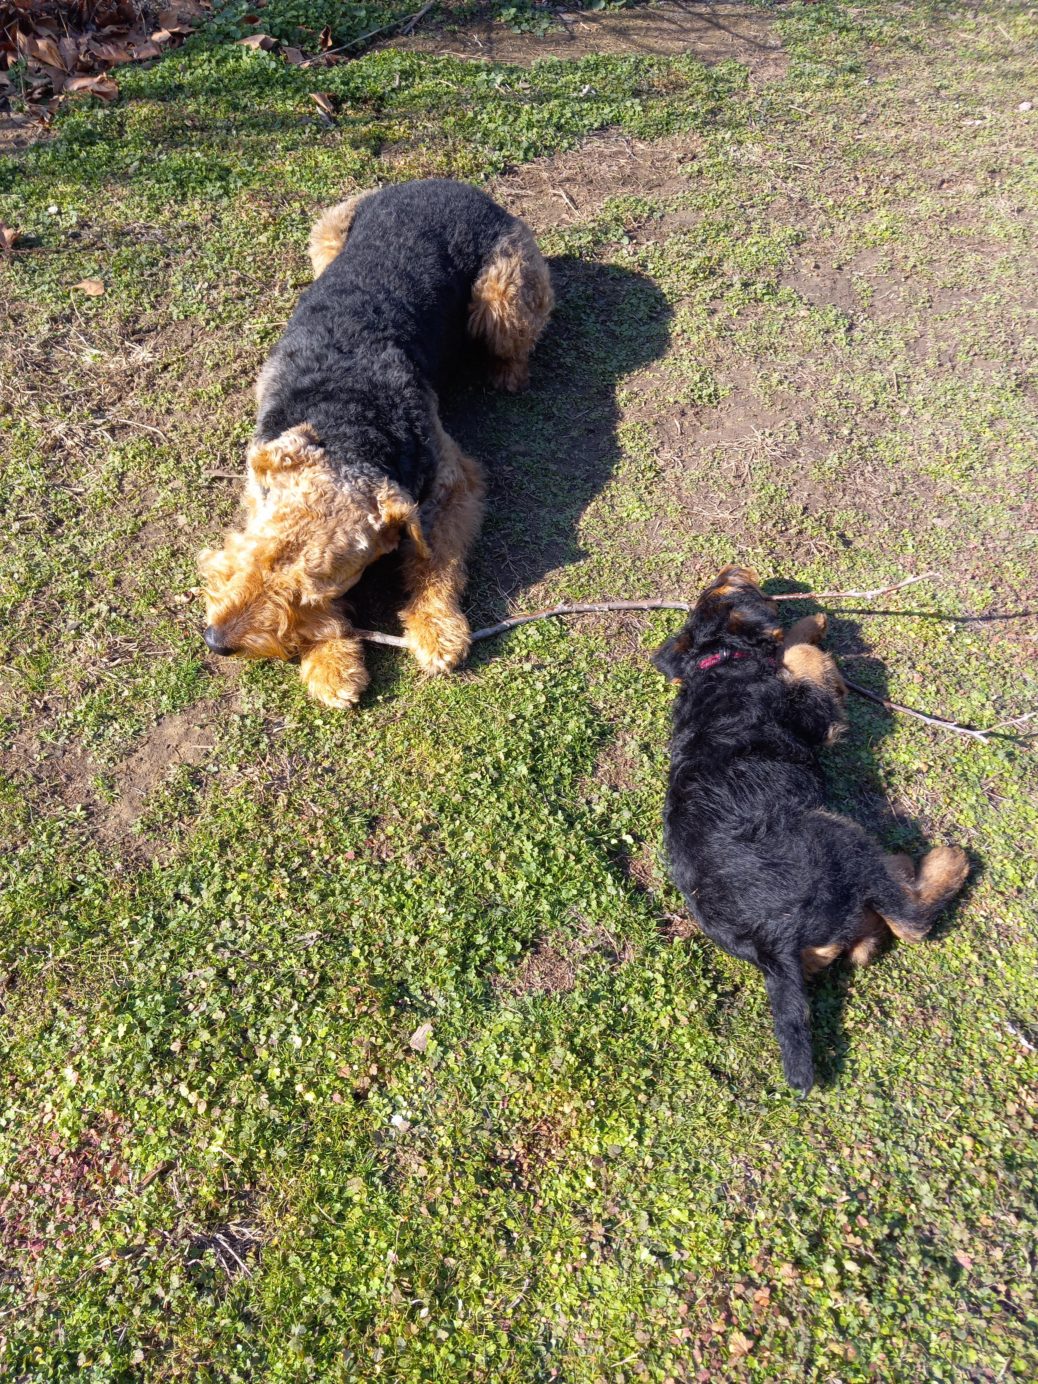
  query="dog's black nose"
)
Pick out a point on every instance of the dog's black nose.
point(214, 640)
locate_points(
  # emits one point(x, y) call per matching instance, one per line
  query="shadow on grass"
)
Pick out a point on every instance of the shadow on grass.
point(547, 453)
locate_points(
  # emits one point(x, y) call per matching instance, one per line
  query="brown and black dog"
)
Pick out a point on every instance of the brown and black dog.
point(767, 872)
point(349, 457)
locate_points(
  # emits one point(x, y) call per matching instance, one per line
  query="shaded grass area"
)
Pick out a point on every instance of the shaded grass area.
point(231, 1148)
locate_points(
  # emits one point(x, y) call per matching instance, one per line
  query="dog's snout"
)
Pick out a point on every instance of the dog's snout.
point(215, 641)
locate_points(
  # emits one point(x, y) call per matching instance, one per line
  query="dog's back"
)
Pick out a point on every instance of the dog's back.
point(406, 271)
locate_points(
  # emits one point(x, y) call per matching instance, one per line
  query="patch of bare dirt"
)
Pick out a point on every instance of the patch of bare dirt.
point(711, 33)
point(70, 775)
point(551, 966)
point(569, 188)
point(175, 740)
point(543, 971)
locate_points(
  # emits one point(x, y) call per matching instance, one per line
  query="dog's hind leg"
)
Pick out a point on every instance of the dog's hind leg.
point(803, 661)
point(331, 230)
point(808, 630)
point(511, 302)
point(436, 631)
point(908, 901)
point(815, 959)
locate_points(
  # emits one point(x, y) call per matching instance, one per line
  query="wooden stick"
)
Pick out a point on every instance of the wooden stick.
point(937, 721)
point(600, 607)
point(405, 25)
point(854, 595)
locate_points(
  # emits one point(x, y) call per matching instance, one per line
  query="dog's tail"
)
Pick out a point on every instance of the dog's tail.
point(787, 994)
point(330, 231)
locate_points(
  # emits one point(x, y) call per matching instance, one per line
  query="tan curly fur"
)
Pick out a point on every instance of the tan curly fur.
point(802, 660)
point(511, 302)
point(436, 630)
point(306, 539)
point(331, 230)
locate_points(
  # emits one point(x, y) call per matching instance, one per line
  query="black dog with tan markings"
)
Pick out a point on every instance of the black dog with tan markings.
point(349, 457)
point(767, 872)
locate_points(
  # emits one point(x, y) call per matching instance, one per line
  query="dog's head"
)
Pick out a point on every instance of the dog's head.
point(307, 538)
point(732, 615)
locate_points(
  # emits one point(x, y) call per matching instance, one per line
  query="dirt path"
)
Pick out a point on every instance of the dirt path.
point(709, 33)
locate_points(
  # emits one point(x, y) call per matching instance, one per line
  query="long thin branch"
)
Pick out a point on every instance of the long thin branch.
point(601, 607)
point(937, 721)
point(405, 25)
point(854, 595)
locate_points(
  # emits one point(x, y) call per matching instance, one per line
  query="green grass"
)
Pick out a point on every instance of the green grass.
point(221, 1156)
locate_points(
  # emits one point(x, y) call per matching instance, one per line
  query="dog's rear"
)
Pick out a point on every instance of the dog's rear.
point(773, 877)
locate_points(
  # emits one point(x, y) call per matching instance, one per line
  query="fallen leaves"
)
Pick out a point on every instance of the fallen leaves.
point(260, 42)
point(68, 50)
point(325, 103)
point(739, 1345)
point(102, 87)
point(93, 288)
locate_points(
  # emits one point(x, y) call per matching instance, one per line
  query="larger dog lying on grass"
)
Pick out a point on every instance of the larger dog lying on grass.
point(768, 874)
point(349, 456)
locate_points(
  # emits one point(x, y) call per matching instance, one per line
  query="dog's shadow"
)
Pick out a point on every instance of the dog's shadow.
point(548, 452)
point(856, 787)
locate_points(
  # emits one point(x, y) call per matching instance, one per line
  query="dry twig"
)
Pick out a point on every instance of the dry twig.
point(937, 721)
point(601, 607)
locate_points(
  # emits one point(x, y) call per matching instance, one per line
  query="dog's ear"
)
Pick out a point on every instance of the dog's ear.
point(288, 452)
point(670, 658)
point(395, 509)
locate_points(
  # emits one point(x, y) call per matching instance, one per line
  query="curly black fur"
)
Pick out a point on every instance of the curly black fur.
point(765, 870)
point(378, 329)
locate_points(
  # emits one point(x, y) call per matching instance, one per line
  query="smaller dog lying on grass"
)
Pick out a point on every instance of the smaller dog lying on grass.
point(768, 874)
point(350, 459)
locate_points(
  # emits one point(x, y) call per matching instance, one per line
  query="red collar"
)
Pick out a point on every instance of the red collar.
point(727, 656)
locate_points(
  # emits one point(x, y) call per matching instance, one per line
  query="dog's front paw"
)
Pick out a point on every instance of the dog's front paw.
point(809, 630)
point(512, 376)
point(439, 640)
point(334, 673)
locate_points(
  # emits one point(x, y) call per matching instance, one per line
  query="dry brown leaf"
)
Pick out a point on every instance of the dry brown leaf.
point(69, 50)
point(325, 104)
point(263, 42)
point(419, 1039)
point(295, 57)
point(102, 87)
point(107, 51)
point(42, 50)
point(144, 49)
point(739, 1345)
point(93, 288)
point(325, 38)
point(181, 19)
